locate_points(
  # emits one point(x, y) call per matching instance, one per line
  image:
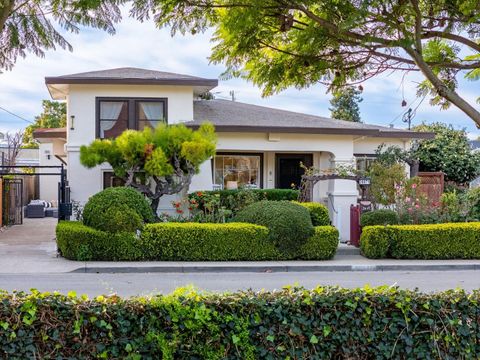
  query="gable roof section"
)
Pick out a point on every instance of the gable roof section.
point(58, 85)
point(232, 116)
point(50, 133)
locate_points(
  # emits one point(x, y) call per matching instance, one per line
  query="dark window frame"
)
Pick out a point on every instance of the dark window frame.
point(132, 106)
point(290, 155)
point(239, 154)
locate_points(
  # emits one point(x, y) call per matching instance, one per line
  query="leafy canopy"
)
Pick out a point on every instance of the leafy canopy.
point(35, 26)
point(155, 162)
point(54, 115)
point(345, 104)
point(278, 44)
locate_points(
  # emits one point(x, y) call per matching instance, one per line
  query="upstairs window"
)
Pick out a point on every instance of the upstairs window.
point(115, 115)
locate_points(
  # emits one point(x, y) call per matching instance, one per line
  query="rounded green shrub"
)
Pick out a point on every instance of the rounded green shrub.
point(318, 213)
point(119, 218)
point(375, 241)
point(379, 217)
point(95, 210)
point(289, 224)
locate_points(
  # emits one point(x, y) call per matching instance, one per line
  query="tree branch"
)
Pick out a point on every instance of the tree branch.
point(445, 35)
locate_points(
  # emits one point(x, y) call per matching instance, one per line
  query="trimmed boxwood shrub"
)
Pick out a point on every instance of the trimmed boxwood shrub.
point(379, 217)
point(76, 241)
point(289, 224)
point(207, 242)
point(375, 242)
point(431, 241)
point(318, 213)
point(94, 212)
point(120, 218)
point(322, 245)
point(293, 323)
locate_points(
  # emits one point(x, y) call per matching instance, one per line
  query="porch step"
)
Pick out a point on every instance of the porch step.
point(344, 249)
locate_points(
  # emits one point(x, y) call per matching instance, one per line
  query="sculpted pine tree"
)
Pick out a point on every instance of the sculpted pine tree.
point(345, 104)
point(155, 162)
point(277, 44)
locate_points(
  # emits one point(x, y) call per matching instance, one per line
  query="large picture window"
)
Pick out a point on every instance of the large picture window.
point(115, 115)
point(238, 171)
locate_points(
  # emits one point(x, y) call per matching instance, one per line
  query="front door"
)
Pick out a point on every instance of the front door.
point(288, 170)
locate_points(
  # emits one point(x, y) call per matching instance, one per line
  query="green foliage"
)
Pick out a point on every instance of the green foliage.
point(26, 28)
point(322, 245)
point(188, 242)
point(100, 207)
point(148, 159)
point(318, 213)
point(293, 323)
point(236, 200)
point(283, 44)
point(375, 242)
point(119, 218)
point(54, 115)
point(449, 152)
point(345, 104)
point(379, 217)
point(431, 241)
point(383, 181)
point(207, 242)
point(473, 198)
point(289, 224)
point(76, 241)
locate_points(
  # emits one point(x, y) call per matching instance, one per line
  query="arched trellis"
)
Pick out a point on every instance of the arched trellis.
point(309, 181)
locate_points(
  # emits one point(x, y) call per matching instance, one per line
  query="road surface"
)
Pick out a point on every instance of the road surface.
point(151, 283)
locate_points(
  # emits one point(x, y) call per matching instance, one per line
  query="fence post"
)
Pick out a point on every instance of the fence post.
point(355, 225)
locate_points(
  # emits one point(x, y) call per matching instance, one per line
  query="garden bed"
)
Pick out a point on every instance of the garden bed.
point(188, 242)
point(431, 241)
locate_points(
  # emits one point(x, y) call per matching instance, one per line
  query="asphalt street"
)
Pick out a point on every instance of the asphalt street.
point(131, 284)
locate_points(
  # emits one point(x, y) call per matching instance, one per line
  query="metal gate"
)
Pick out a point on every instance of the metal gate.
point(12, 201)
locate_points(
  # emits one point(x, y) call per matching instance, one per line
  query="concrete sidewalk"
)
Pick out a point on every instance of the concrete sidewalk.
point(31, 249)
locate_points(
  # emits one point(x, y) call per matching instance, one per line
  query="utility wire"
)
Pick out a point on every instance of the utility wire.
point(18, 116)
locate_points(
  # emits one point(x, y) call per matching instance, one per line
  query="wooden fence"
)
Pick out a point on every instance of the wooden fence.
point(431, 185)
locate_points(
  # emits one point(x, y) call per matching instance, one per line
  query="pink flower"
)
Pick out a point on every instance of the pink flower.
point(410, 209)
point(417, 206)
point(407, 199)
point(414, 186)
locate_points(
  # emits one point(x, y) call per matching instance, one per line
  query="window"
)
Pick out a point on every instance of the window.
point(238, 170)
point(364, 162)
point(110, 180)
point(115, 115)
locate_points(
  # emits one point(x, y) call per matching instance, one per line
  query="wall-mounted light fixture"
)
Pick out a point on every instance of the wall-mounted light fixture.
point(47, 153)
point(72, 118)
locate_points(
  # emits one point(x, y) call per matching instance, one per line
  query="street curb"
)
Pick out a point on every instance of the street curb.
point(274, 268)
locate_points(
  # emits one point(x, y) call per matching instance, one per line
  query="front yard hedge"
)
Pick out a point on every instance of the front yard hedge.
point(295, 323)
point(431, 241)
point(188, 242)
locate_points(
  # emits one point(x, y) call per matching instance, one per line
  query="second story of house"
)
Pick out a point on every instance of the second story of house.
point(102, 104)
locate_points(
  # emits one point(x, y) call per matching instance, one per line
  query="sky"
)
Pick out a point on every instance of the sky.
point(143, 45)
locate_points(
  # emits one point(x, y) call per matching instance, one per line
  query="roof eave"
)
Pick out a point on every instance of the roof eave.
point(131, 81)
point(319, 130)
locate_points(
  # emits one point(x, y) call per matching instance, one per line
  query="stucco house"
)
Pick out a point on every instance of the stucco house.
point(257, 147)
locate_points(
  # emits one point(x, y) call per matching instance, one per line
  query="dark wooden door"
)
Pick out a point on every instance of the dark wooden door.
point(288, 170)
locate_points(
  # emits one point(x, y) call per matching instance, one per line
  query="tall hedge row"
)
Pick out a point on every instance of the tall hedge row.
point(323, 323)
point(431, 241)
point(188, 242)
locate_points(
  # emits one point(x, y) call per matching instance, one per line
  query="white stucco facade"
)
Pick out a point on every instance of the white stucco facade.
point(326, 149)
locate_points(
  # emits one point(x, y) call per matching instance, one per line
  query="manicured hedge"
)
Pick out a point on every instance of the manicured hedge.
point(264, 194)
point(322, 245)
point(188, 242)
point(432, 241)
point(295, 323)
point(318, 213)
point(202, 242)
point(95, 212)
point(289, 224)
point(379, 217)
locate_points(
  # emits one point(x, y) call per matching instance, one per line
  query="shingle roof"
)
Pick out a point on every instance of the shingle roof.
point(129, 75)
point(232, 116)
point(44, 133)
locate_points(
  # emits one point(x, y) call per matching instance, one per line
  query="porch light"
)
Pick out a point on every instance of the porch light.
point(72, 118)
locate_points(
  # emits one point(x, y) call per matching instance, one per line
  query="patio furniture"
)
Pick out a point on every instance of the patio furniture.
point(35, 211)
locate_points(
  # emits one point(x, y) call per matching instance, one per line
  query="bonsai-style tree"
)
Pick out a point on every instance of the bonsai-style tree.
point(345, 104)
point(155, 162)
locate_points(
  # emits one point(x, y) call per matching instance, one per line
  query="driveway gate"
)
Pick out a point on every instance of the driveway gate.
point(12, 201)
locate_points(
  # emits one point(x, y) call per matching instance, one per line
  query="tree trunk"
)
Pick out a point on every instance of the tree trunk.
point(414, 167)
point(443, 90)
point(154, 205)
point(6, 8)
